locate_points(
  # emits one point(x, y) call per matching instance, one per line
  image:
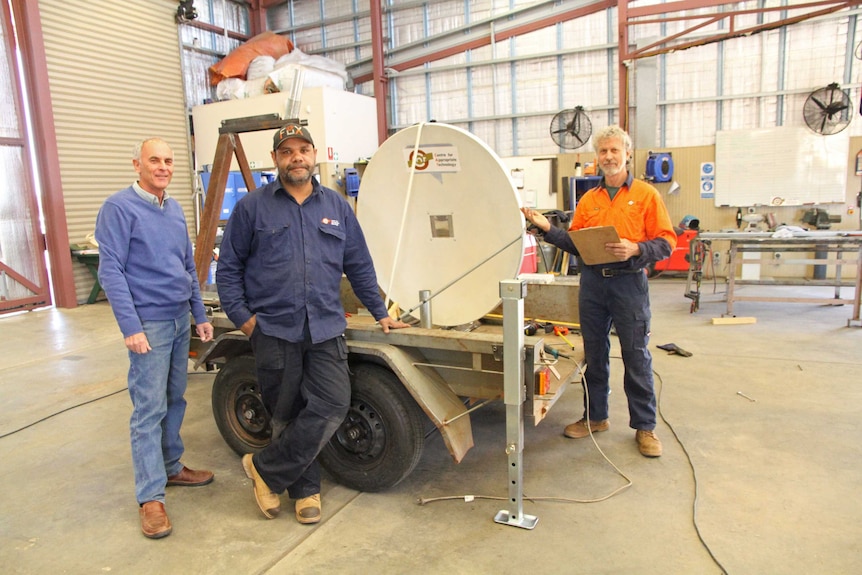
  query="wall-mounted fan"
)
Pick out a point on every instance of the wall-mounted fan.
point(827, 110)
point(571, 128)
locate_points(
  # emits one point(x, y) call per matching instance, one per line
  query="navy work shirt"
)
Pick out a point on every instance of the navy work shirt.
point(284, 261)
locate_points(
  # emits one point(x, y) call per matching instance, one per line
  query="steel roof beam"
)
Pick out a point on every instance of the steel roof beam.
point(661, 13)
point(477, 34)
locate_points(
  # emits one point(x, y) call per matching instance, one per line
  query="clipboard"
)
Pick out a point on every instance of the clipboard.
point(590, 243)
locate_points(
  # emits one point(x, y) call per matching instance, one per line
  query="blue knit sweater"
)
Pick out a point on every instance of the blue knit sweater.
point(146, 264)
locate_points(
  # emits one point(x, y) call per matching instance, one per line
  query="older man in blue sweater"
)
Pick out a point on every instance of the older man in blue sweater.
point(147, 270)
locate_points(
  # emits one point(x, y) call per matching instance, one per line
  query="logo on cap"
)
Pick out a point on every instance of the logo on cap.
point(291, 131)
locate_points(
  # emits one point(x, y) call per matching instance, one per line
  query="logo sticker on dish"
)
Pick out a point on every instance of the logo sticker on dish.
point(434, 158)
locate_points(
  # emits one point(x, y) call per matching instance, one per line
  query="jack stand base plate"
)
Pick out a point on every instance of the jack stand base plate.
point(525, 522)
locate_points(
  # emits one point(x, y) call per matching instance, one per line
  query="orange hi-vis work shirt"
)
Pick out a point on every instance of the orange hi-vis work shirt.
point(637, 212)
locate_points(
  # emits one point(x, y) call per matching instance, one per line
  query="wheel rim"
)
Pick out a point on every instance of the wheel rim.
point(362, 435)
point(250, 415)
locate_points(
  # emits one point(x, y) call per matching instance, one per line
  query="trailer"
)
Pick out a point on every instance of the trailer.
point(404, 384)
point(457, 241)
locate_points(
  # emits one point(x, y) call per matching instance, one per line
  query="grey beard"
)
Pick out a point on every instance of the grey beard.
point(287, 177)
point(612, 172)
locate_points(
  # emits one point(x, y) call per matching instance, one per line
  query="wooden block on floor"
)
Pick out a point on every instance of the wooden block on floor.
point(733, 320)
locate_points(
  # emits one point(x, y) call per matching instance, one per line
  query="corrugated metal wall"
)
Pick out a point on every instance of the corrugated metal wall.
point(507, 92)
point(116, 78)
point(203, 48)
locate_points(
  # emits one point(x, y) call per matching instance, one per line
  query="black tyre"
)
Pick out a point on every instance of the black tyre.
point(650, 271)
point(381, 439)
point(239, 413)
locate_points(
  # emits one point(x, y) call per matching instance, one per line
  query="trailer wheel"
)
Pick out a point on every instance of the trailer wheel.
point(381, 439)
point(239, 413)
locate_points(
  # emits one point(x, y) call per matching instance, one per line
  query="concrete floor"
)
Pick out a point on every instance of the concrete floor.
point(778, 478)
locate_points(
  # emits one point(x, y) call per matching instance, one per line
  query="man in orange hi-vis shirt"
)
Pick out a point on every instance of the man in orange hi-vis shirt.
point(617, 292)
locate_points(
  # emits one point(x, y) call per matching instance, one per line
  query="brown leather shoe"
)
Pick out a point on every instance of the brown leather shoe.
point(308, 509)
point(579, 428)
point(268, 501)
point(154, 520)
point(190, 478)
point(648, 443)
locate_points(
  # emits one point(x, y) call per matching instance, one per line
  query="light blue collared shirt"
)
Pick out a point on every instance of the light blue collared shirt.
point(151, 198)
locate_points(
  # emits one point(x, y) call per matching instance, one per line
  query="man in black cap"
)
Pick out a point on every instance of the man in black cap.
point(281, 260)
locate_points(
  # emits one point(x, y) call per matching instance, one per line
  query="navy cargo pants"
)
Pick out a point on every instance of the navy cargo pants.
point(306, 388)
point(621, 298)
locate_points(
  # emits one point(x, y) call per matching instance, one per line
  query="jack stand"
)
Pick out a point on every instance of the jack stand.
point(513, 293)
point(425, 309)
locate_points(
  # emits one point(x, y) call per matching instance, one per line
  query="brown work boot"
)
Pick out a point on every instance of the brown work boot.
point(268, 501)
point(579, 428)
point(648, 443)
point(308, 509)
point(190, 478)
point(154, 520)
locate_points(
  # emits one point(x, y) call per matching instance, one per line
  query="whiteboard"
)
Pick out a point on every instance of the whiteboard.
point(534, 180)
point(785, 166)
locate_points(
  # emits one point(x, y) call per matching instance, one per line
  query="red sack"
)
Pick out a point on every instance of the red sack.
point(235, 64)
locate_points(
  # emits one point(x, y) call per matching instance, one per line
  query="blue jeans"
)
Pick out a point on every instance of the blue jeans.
point(623, 300)
point(157, 382)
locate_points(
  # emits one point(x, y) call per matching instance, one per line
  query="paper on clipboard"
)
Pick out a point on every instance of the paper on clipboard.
point(591, 244)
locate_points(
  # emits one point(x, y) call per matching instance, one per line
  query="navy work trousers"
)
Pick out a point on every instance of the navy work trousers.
point(306, 388)
point(624, 300)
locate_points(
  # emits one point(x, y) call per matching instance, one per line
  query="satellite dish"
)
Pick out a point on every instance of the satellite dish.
point(440, 213)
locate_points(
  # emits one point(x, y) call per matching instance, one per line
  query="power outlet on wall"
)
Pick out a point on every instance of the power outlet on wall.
point(716, 259)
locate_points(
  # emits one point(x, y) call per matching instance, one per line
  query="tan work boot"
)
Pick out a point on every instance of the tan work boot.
point(308, 509)
point(154, 520)
point(648, 443)
point(268, 501)
point(579, 428)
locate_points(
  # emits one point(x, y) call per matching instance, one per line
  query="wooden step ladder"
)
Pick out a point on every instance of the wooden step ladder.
point(228, 146)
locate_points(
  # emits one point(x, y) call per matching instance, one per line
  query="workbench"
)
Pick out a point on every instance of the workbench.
point(90, 258)
point(846, 247)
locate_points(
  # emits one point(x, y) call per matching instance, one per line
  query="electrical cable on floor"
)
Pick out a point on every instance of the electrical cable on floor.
point(423, 500)
point(468, 498)
point(71, 407)
point(693, 474)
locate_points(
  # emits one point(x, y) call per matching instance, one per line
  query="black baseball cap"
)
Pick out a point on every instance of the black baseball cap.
point(291, 130)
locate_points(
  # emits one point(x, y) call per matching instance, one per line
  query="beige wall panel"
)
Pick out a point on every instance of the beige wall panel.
point(115, 78)
point(687, 201)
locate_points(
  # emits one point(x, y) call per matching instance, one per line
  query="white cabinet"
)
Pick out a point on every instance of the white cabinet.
point(343, 125)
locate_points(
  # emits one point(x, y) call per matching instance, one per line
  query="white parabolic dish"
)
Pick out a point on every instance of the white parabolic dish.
point(440, 213)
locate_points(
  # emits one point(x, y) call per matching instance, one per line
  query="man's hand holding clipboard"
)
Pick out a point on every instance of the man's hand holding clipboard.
point(602, 245)
point(597, 245)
